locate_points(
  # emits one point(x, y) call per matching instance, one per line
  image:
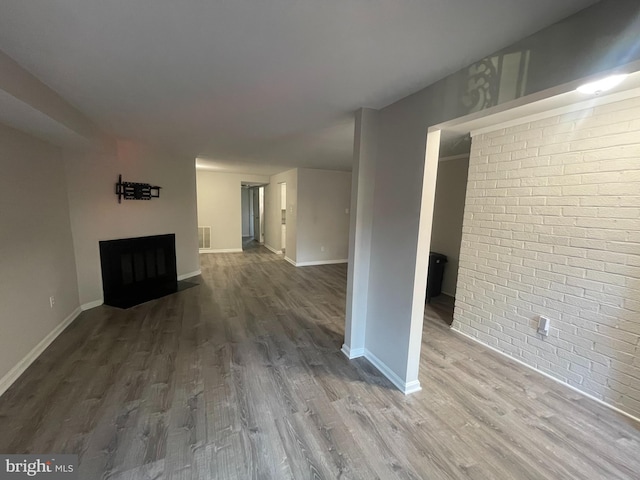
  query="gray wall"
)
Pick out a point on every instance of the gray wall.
point(316, 202)
point(323, 198)
point(96, 214)
point(448, 212)
point(36, 248)
point(599, 38)
point(361, 220)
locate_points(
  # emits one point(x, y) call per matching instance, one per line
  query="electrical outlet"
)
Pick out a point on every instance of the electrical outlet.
point(52, 301)
point(543, 325)
point(346, 210)
point(322, 249)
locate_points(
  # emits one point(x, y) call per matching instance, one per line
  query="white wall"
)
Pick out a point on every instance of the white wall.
point(323, 222)
point(96, 214)
point(273, 216)
point(220, 206)
point(36, 248)
point(594, 40)
point(448, 211)
point(552, 227)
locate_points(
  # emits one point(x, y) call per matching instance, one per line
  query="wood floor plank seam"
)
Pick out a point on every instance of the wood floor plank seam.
point(242, 377)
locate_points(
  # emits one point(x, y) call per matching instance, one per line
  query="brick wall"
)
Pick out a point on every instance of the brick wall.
point(552, 227)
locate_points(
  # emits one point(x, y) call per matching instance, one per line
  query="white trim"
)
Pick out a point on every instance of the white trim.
point(22, 365)
point(321, 262)
point(351, 354)
point(90, 305)
point(269, 247)
point(421, 267)
point(184, 276)
point(404, 387)
point(557, 380)
point(292, 262)
point(220, 250)
point(588, 102)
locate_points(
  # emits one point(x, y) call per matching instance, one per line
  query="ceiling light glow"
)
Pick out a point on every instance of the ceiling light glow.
point(603, 85)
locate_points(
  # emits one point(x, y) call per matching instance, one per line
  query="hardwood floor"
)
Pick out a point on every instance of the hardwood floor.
point(242, 377)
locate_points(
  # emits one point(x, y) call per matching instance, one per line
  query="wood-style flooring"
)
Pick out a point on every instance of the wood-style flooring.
point(242, 377)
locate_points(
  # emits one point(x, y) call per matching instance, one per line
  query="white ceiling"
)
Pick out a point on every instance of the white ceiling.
point(255, 82)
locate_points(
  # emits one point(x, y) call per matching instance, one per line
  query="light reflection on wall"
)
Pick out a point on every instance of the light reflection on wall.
point(496, 79)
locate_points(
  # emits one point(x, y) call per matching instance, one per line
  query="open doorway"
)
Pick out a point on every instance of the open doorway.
point(446, 232)
point(283, 209)
point(253, 215)
point(246, 209)
point(525, 240)
point(257, 194)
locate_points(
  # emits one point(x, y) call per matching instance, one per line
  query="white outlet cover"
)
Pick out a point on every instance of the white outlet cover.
point(543, 325)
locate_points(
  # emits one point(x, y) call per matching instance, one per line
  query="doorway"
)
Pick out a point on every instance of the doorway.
point(246, 206)
point(257, 194)
point(448, 214)
point(283, 210)
point(253, 215)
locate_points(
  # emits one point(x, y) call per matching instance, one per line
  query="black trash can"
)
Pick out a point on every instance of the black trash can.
point(437, 262)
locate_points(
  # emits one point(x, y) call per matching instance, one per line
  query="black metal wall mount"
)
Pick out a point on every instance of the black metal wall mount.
point(136, 191)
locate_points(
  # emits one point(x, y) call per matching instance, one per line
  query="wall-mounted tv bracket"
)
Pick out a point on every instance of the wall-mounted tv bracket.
point(136, 191)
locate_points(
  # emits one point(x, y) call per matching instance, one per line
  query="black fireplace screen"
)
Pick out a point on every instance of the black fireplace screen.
point(136, 270)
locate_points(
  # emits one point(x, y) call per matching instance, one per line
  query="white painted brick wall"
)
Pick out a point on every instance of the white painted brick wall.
point(552, 227)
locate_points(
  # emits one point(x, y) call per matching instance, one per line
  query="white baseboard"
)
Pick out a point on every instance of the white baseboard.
point(269, 247)
point(352, 353)
point(184, 276)
point(97, 303)
point(315, 262)
point(321, 262)
point(22, 365)
point(220, 250)
point(90, 305)
point(557, 380)
point(404, 387)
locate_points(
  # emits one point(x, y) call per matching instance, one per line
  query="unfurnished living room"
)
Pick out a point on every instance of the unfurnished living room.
point(296, 239)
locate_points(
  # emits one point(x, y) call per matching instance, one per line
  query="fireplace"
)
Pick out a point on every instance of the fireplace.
point(136, 270)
